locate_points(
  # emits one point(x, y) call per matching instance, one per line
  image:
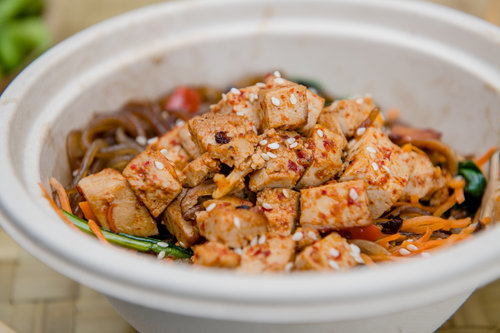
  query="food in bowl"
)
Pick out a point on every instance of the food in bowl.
point(267, 178)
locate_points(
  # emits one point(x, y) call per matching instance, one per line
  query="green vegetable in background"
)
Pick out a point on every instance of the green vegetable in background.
point(475, 184)
point(23, 33)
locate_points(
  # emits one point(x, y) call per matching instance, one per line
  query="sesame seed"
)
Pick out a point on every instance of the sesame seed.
point(360, 131)
point(333, 264)
point(360, 100)
point(271, 155)
point(75, 172)
point(404, 252)
point(297, 236)
point(237, 222)
point(267, 206)
point(334, 252)
point(254, 241)
point(412, 247)
point(293, 145)
point(279, 80)
point(262, 239)
point(358, 258)
point(179, 122)
point(320, 133)
point(386, 169)
point(277, 74)
point(152, 140)
point(410, 240)
point(275, 101)
point(353, 194)
point(312, 235)
point(273, 145)
point(375, 166)
point(425, 254)
point(255, 129)
point(239, 113)
point(141, 140)
point(371, 150)
point(162, 244)
point(182, 244)
point(265, 156)
point(293, 99)
point(210, 207)
point(260, 85)
point(161, 255)
point(224, 97)
point(238, 250)
point(290, 140)
point(253, 97)
point(355, 249)
point(164, 152)
point(263, 142)
point(289, 267)
point(285, 193)
point(235, 91)
point(159, 165)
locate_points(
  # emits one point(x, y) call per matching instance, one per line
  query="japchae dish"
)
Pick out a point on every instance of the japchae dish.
point(275, 176)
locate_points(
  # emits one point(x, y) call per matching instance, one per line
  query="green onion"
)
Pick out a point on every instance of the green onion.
point(142, 244)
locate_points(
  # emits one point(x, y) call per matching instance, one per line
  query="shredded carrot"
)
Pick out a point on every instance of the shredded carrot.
point(424, 238)
point(420, 223)
point(456, 183)
point(459, 195)
point(498, 198)
point(385, 241)
point(414, 198)
point(483, 159)
point(97, 231)
point(486, 220)
point(417, 205)
point(54, 206)
point(366, 258)
point(62, 195)
point(448, 204)
point(407, 147)
point(87, 211)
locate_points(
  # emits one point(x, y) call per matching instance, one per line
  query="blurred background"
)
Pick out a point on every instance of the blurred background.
point(33, 298)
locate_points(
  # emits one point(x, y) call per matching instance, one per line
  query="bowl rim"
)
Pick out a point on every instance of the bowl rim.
point(132, 277)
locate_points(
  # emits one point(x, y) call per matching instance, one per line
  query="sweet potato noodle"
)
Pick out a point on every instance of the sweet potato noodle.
point(276, 176)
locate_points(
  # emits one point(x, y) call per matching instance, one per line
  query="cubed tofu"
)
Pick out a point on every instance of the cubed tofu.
point(272, 253)
point(383, 165)
point(286, 156)
point(187, 142)
point(281, 207)
point(153, 179)
point(228, 201)
point(328, 120)
point(115, 205)
point(241, 102)
point(425, 178)
point(215, 254)
point(305, 236)
point(232, 226)
point(335, 206)
point(327, 151)
point(169, 145)
point(283, 107)
point(184, 231)
point(351, 113)
point(332, 253)
point(198, 170)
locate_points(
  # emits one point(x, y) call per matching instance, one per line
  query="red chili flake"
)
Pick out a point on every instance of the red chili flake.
point(323, 192)
point(350, 201)
point(147, 163)
point(281, 196)
point(301, 154)
point(133, 166)
point(266, 253)
point(293, 166)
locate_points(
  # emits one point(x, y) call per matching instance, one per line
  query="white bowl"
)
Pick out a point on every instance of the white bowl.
point(440, 67)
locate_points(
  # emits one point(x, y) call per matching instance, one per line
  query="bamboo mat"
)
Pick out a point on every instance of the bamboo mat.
point(35, 299)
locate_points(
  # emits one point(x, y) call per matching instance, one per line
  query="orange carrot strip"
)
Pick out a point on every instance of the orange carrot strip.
point(483, 159)
point(87, 211)
point(97, 232)
point(448, 204)
point(54, 206)
point(385, 241)
point(459, 195)
point(414, 199)
point(61, 193)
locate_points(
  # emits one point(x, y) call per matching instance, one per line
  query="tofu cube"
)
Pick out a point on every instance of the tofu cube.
point(382, 165)
point(315, 105)
point(199, 170)
point(153, 179)
point(335, 206)
point(184, 231)
point(215, 254)
point(272, 253)
point(283, 107)
point(281, 207)
point(169, 145)
point(425, 178)
point(332, 253)
point(351, 113)
point(286, 160)
point(232, 226)
point(327, 151)
point(328, 120)
point(305, 236)
point(115, 205)
point(187, 142)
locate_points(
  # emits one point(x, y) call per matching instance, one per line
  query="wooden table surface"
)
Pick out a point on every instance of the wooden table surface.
point(34, 298)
